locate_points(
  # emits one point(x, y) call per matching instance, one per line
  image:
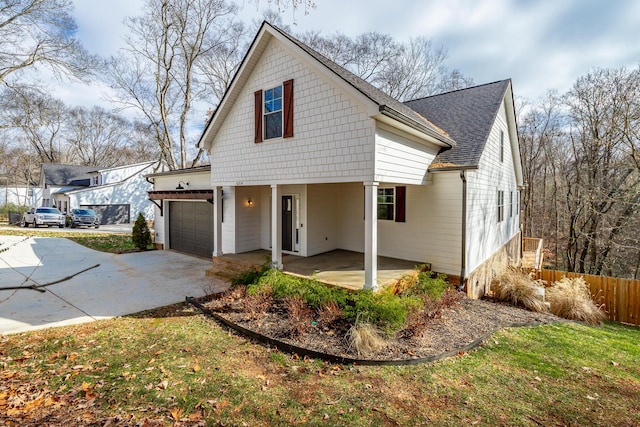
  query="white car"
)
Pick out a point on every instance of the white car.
point(43, 216)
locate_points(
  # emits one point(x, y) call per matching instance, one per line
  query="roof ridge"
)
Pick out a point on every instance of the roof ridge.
point(457, 90)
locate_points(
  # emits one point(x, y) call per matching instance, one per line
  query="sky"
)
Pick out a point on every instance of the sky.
point(541, 45)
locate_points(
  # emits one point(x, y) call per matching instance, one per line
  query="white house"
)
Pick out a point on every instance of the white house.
point(16, 191)
point(118, 194)
point(307, 158)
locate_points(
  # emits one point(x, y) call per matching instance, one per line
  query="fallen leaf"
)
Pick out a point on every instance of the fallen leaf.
point(176, 413)
point(196, 368)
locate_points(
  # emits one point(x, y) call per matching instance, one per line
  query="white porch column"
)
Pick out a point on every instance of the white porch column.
point(217, 221)
point(371, 235)
point(276, 227)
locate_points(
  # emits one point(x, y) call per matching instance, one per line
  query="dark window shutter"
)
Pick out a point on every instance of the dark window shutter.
point(258, 117)
point(401, 201)
point(288, 108)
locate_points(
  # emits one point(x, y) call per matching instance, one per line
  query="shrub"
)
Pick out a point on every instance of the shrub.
point(518, 288)
point(315, 294)
point(364, 338)
point(428, 286)
point(256, 305)
point(329, 312)
point(382, 309)
point(251, 276)
point(300, 315)
point(141, 235)
point(571, 299)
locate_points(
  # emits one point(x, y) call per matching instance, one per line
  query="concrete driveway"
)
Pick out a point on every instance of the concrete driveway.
point(112, 285)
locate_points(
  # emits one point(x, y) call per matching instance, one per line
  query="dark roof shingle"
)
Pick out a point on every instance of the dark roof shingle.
point(467, 115)
point(57, 174)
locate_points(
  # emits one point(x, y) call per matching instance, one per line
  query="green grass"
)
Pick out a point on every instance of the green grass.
point(104, 242)
point(174, 364)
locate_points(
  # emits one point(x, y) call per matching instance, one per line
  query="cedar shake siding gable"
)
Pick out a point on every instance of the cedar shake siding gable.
point(380, 106)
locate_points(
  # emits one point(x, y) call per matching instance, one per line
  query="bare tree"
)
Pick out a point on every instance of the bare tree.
point(36, 118)
point(36, 32)
point(158, 73)
point(404, 71)
point(583, 193)
point(100, 138)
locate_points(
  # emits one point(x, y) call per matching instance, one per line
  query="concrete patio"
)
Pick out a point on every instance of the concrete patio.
point(339, 267)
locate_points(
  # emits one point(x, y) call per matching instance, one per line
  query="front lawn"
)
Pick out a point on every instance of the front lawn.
point(172, 366)
point(104, 242)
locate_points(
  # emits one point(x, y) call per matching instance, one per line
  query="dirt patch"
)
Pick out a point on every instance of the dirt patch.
point(455, 327)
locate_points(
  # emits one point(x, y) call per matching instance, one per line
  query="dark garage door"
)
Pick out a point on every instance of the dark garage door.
point(111, 214)
point(191, 227)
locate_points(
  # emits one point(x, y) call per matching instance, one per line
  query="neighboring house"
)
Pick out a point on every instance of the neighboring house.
point(17, 191)
point(307, 158)
point(118, 194)
point(184, 210)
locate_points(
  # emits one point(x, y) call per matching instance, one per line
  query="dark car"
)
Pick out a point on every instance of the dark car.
point(86, 217)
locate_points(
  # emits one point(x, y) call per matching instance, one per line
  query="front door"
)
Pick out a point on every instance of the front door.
point(287, 223)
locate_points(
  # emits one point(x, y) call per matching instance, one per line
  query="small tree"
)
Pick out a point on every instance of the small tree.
point(141, 235)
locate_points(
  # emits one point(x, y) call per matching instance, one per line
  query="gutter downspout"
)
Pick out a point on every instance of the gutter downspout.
point(463, 251)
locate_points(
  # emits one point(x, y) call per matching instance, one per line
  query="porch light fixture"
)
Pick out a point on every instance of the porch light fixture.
point(249, 202)
point(180, 187)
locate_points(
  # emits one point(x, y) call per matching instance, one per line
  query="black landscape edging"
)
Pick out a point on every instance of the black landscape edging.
point(290, 348)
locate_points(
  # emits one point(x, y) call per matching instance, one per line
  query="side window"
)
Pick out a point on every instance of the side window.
point(500, 206)
point(501, 146)
point(510, 204)
point(273, 113)
point(386, 205)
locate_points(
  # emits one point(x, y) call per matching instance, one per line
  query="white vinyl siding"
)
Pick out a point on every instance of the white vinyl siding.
point(485, 234)
point(322, 206)
point(247, 219)
point(400, 158)
point(432, 231)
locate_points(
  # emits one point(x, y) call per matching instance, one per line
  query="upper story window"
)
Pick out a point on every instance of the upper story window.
point(273, 113)
point(501, 146)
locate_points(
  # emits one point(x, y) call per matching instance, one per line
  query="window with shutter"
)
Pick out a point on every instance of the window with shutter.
point(274, 112)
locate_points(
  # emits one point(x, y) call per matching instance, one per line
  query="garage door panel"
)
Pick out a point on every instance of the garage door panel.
point(111, 214)
point(191, 227)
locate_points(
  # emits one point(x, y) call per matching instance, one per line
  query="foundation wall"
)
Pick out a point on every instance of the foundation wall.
point(478, 283)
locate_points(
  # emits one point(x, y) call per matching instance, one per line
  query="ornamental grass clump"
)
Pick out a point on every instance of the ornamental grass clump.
point(571, 299)
point(520, 289)
point(364, 338)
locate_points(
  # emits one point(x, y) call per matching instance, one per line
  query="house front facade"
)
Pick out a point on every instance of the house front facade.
point(307, 158)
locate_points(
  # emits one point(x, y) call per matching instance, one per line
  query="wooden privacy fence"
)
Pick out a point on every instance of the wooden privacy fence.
point(621, 297)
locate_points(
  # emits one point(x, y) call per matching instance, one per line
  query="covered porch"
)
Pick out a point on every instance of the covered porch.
point(337, 267)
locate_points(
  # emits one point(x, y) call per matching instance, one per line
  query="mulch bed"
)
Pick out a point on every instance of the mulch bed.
point(456, 327)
